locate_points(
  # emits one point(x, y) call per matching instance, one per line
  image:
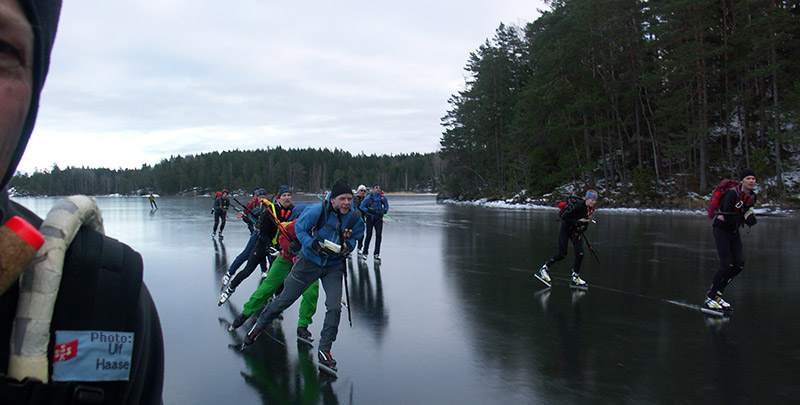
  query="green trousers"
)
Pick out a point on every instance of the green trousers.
point(277, 273)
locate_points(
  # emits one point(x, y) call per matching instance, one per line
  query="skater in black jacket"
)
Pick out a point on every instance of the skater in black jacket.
point(735, 211)
point(575, 220)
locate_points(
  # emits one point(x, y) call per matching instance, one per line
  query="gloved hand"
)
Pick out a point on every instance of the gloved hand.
point(294, 248)
point(750, 217)
point(320, 249)
point(273, 252)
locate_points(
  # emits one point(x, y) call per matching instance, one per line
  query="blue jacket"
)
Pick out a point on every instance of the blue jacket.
point(375, 205)
point(306, 232)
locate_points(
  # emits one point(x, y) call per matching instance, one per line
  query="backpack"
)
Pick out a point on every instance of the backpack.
point(716, 196)
point(565, 207)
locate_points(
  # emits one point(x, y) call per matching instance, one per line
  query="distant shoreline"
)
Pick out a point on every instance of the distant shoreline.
point(766, 209)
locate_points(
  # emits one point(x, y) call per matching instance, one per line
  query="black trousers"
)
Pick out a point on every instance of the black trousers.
point(731, 259)
point(565, 234)
point(378, 225)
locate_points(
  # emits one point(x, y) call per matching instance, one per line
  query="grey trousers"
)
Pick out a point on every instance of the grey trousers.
point(302, 275)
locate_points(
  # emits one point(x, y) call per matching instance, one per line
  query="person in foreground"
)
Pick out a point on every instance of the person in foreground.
point(575, 220)
point(77, 324)
point(735, 211)
point(320, 229)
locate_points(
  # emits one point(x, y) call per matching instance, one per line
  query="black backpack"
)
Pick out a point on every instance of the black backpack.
point(112, 272)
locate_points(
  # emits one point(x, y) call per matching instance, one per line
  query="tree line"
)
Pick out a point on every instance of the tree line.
point(304, 170)
point(631, 95)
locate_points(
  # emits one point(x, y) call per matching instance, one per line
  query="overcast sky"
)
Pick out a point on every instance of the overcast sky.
point(136, 81)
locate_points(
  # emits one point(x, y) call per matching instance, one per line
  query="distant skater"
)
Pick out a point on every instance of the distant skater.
point(374, 206)
point(735, 211)
point(153, 205)
point(575, 220)
point(221, 204)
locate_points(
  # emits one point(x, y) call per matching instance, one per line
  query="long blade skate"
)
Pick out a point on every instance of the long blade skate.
point(542, 280)
point(332, 371)
point(582, 287)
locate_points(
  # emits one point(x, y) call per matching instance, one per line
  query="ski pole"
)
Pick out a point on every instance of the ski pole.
point(347, 293)
point(591, 250)
point(393, 219)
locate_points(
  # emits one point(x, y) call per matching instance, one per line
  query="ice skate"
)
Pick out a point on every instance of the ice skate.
point(303, 335)
point(225, 295)
point(543, 276)
point(712, 307)
point(577, 282)
point(237, 322)
point(327, 362)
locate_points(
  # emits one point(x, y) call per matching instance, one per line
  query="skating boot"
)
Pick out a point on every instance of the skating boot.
point(252, 335)
point(326, 362)
point(577, 282)
point(303, 335)
point(542, 275)
point(225, 295)
point(722, 303)
point(237, 322)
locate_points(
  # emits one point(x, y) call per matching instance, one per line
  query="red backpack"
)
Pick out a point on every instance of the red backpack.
point(569, 205)
point(721, 189)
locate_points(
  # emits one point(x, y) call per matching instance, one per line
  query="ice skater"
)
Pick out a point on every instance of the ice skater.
point(575, 220)
point(328, 233)
point(374, 206)
point(735, 211)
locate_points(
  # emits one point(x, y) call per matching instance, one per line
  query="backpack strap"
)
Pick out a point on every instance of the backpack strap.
point(39, 286)
point(356, 216)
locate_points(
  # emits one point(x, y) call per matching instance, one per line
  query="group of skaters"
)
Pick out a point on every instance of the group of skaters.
point(731, 209)
point(297, 247)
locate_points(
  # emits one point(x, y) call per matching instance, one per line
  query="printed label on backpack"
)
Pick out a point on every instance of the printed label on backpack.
point(91, 355)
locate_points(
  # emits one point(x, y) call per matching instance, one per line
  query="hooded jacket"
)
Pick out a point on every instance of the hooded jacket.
point(43, 16)
point(147, 362)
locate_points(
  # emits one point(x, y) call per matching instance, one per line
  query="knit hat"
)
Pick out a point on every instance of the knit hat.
point(591, 194)
point(746, 172)
point(283, 189)
point(339, 188)
point(362, 187)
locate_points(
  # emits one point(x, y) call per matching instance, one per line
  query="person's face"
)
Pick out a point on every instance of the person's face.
point(590, 202)
point(749, 183)
point(376, 189)
point(341, 203)
point(224, 195)
point(285, 199)
point(362, 192)
point(16, 77)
